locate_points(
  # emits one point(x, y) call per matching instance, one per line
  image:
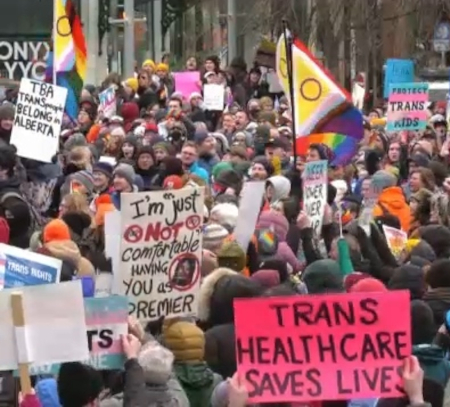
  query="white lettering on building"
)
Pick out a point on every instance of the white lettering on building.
point(24, 59)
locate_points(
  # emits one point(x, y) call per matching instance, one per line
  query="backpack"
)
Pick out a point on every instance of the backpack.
point(34, 217)
point(267, 243)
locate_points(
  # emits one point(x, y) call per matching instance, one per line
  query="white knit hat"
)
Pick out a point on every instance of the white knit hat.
point(226, 214)
point(213, 236)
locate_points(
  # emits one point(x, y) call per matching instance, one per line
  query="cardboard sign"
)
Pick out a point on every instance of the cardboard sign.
point(315, 190)
point(397, 71)
point(160, 252)
point(19, 267)
point(54, 329)
point(106, 321)
point(407, 108)
point(108, 102)
point(328, 347)
point(38, 118)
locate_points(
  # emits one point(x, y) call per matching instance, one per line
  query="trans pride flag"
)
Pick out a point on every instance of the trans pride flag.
point(67, 61)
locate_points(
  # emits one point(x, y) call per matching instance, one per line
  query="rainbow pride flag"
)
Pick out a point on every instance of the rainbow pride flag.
point(323, 110)
point(67, 63)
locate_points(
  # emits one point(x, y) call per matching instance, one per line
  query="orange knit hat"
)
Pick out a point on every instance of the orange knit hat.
point(56, 230)
point(173, 182)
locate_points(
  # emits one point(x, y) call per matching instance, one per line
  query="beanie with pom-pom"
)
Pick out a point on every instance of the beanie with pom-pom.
point(368, 285)
point(56, 230)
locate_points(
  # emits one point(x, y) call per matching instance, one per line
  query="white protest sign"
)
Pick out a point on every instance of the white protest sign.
point(161, 249)
point(251, 198)
point(213, 97)
point(54, 315)
point(112, 246)
point(368, 205)
point(358, 93)
point(315, 190)
point(37, 122)
point(396, 240)
point(108, 101)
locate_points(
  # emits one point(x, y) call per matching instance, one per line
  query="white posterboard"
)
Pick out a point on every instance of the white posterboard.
point(251, 199)
point(315, 190)
point(108, 102)
point(160, 253)
point(37, 122)
point(112, 246)
point(54, 315)
point(213, 97)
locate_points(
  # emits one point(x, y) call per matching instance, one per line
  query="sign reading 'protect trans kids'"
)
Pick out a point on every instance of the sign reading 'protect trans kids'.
point(407, 106)
point(20, 268)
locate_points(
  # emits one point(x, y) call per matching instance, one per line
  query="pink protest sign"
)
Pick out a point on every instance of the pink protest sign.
point(187, 82)
point(327, 347)
point(407, 107)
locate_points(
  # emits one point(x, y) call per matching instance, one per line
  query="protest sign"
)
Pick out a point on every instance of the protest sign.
point(38, 118)
point(108, 102)
point(368, 206)
point(21, 267)
point(54, 329)
point(397, 71)
point(187, 82)
point(252, 193)
point(213, 97)
point(407, 108)
point(161, 248)
point(315, 180)
point(358, 94)
point(327, 347)
point(106, 321)
point(396, 240)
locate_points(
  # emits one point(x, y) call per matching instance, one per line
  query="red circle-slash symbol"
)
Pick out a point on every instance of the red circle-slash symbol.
point(193, 222)
point(133, 234)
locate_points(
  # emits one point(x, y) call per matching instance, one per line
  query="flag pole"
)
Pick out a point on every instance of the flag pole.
point(53, 39)
point(288, 41)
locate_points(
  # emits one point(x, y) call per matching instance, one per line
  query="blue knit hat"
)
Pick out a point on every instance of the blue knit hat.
point(105, 168)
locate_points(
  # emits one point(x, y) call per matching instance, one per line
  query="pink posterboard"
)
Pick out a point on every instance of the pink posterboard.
point(328, 347)
point(187, 82)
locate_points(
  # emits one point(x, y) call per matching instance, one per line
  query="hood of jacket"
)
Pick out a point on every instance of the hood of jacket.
point(10, 183)
point(67, 250)
point(281, 187)
point(195, 375)
point(393, 198)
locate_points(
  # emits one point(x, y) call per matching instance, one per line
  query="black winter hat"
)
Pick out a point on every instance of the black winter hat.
point(78, 384)
point(409, 277)
point(438, 275)
point(229, 179)
point(424, 251)
point(265, 163)
point(77, 221)
point(422, 323)
point(105, 168)
point(8, 157)
point(438, 237)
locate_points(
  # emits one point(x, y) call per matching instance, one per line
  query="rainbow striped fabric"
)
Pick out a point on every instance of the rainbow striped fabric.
point(69, 57)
